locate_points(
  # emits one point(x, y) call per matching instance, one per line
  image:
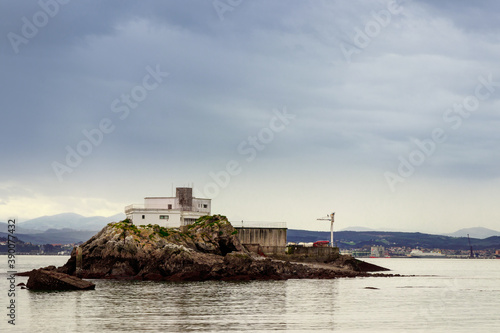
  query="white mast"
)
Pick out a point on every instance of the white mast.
point(331, 219)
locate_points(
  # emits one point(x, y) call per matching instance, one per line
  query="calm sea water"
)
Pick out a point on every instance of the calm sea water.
point(448, 295)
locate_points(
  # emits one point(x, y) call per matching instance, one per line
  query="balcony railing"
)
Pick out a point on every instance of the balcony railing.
point(130, 208)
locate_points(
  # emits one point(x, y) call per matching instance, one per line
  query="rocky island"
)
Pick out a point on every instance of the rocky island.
point(209, 249)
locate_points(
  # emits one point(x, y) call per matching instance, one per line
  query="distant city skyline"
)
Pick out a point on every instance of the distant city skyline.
point(384, 112)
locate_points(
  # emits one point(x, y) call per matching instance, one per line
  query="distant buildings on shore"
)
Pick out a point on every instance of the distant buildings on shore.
point(378, 251)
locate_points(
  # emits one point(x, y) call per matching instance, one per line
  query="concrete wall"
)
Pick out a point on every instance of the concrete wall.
point(159, 203)
point(152, 216)
point(173, 221)
point(267, 250)
point(263, 236)
point(185, 196)
point(274, 250)
point(197, 204)
point(313, 251)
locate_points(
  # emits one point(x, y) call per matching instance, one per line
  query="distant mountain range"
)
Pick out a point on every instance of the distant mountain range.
point(69, 221)
point(479, 232)
point(64, 228)
point(357, 229)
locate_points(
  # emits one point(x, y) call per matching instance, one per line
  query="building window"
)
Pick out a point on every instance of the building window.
point(188, 221)
point(143, 217)
point(205, 206)
point(169, 206)
point(163, 217)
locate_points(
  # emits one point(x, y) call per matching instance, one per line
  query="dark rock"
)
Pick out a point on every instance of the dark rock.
point(153, 277)
point(28, 273)
point(41, 279)
point(364, 266)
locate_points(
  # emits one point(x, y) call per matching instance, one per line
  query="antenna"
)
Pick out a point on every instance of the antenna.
point(471, 253)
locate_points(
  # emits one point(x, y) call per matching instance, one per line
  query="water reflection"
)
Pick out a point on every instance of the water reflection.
point(311, 304)
point(125, 306)
point(196, 306)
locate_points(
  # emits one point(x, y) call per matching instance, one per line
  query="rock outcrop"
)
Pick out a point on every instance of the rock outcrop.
point(41, 279)
point(209, 249)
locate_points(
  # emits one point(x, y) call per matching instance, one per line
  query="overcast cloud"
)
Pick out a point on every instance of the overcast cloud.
point(386, 112)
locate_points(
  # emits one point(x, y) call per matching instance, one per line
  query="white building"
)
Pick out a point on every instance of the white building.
point(377, 252)
point(170, 212)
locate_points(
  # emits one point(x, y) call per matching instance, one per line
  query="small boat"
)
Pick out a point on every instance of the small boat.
point(321, 244)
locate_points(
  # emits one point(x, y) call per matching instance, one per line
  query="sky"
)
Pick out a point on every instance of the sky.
point(384, 112)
